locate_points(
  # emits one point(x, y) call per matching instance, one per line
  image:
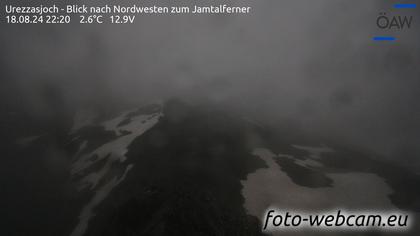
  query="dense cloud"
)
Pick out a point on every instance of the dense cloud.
point(312, 62)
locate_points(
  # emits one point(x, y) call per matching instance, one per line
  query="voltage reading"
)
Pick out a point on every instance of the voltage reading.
point(124, 19)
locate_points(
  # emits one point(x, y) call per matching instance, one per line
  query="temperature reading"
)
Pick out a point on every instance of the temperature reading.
point(91, 19)
point(124, 19)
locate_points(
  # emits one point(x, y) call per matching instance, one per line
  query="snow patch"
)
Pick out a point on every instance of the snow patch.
point(314, 152)
point(100, 195)
point(307, 162)
point(117, 148)
point(113, 151)
point(271, 187)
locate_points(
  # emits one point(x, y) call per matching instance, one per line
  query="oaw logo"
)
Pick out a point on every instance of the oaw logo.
point(395, 22)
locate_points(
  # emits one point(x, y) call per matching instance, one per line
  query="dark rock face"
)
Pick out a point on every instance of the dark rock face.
point(302, 175)
point(184, 181)
point(185, 178)
point(405, 196)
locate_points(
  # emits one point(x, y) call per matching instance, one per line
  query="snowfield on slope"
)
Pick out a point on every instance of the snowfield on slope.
point(113, 151)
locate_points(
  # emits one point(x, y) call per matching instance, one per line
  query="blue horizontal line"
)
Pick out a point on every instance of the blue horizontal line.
point(403, 5)
point(383, 38)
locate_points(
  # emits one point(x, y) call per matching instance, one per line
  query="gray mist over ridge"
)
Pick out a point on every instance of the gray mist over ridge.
point(310, 62)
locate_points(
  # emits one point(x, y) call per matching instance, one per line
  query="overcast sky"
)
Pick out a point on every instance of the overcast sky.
point(312, 62)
